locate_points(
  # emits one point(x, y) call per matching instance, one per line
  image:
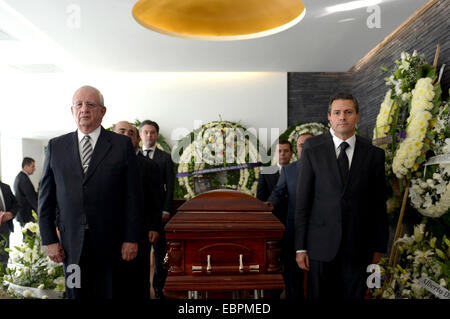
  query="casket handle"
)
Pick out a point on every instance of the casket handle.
point(208, 266)
point(241, 262)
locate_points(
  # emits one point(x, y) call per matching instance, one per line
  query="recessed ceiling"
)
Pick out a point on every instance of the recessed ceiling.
point(102, 35)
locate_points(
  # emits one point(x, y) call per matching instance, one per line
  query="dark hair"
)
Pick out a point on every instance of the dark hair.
point(285, 142)
point(27, 161)
point(148, 122)
point(343, 96)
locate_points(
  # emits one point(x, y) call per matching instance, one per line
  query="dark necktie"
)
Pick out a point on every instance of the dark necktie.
point(148, 153)
point(343, 161)
point(86, 152)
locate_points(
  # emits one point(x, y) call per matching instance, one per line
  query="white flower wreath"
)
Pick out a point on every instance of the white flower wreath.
point(210, 145)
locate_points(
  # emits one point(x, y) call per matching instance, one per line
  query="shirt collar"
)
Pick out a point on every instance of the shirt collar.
point(337, 141)
point(93, 135)
point(151, 148)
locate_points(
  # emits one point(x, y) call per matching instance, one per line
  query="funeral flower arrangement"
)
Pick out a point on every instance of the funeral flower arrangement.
point(430, 189)
point(292, 134)
point(219, 146)
point(421, 256)
point(30, 273)
point(406, 113)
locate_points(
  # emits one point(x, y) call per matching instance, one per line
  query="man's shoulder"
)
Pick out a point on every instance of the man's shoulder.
point(4, 186)
point(317, 141)
point(62, 138)
point(365, 142)
point(291, 166)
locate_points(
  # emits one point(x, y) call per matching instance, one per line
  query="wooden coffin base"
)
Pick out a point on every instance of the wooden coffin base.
point(224, 287)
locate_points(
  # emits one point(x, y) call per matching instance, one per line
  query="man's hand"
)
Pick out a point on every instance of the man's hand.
point(129, 251)
point(56, 253)
point(302, 260)
point(165, 217)
point(376, 257)
point(269, 204)
point(153, 236)
point(5, 216)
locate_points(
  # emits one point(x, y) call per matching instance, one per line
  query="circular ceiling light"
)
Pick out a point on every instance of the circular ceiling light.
point(218, 20)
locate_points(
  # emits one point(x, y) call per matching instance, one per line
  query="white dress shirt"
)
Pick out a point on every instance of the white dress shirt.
point(349, 151)
point(152, 153)
point(93, 139)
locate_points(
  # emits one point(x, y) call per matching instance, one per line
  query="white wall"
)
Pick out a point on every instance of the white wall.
point(11, 158)
point(175, 100)
point(13, 150)
point(35, 150)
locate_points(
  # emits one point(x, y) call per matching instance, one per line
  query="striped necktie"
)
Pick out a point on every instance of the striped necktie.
point(86, 152)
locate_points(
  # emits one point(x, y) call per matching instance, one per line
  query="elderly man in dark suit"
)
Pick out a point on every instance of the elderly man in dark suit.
point(149, 131)
point(340, 220)
point(8, 210)
point(91, 177)
point(138, 270)
point(25, 193)
point(285, 192)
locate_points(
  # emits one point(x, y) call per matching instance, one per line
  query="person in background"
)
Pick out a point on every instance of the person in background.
point(285, 192)
point(138, 270)
point(149, 131)
point(9, 208)
point(25, 193)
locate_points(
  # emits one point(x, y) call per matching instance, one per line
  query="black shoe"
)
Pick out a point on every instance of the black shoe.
point(159, 294)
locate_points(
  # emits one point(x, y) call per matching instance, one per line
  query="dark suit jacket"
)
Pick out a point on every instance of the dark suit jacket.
point(11, 205)
point(285, 191)
point(266, 184)
point(330, 215)
point(108, 198)
point(26, 196)
point(153, 193)
point(165, 164)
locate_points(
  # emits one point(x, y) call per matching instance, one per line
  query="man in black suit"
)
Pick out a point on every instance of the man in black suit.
point(285, 192)
point(91, 177)
point(268, 180)
point(25, 192)
point(138, 270)
point(340, 222)
point(9, 208)
point(149, 131)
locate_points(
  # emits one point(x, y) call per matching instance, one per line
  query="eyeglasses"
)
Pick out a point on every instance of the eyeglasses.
point(78, 105)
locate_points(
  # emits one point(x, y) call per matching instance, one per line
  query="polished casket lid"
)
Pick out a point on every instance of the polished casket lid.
point(224, 210)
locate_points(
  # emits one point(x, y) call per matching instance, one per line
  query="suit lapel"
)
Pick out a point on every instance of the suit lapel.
point(74, 154)
point(101, 149)
point(331, 153)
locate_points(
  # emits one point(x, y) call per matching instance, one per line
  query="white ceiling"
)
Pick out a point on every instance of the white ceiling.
point(109, 39)
point(40, 37)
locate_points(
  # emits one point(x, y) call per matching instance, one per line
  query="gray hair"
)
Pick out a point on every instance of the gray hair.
point(100, 95)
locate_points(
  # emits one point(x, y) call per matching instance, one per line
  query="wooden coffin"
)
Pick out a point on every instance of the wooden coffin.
point(223, 240)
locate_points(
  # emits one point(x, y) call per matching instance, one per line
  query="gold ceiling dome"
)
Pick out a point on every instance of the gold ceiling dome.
point(218, 19)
